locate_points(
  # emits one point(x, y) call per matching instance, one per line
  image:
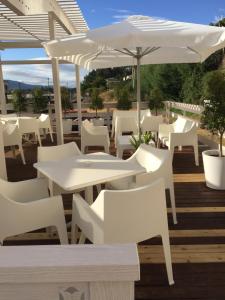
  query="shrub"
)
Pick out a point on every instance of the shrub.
point(214, 113)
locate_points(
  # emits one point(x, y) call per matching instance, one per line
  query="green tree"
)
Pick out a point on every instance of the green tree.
point(65, 98)
point(96, 101)
point(156, 100)
point(214, 113)
point(19, 101)
point(123, 97)
point(39, 100)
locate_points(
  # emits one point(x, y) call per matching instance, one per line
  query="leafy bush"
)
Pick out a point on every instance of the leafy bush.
point(123, 98)
point(39, 100)
point(19, 101)
point(214, 113)
point(65, 98)
point(97, 102)
point(156, 100)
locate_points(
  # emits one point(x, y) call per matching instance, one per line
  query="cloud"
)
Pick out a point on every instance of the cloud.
point(120, 11)
point(39, 74)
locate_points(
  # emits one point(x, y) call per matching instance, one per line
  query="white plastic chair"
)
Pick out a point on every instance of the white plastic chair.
point(94, 136)
point(67, 126)
point(125, 124)
point(12, 137)
point(182, 132)
point(45, 123)
point(55, 153)
point(129, 216)
point(25, 206)
point(151, 123)
point(29, 125)
point(127, 113)
point(158, 164)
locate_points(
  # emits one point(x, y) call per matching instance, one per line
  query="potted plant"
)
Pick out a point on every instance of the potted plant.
point(214, 120)
point(96, 103)
point(145, 138)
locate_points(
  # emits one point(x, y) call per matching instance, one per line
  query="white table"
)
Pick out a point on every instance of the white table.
point(84, 171)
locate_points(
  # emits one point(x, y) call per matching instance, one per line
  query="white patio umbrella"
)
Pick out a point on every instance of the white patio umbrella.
point(139, 40)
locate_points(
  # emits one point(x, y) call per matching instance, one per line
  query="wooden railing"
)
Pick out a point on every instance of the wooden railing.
point(71, 272)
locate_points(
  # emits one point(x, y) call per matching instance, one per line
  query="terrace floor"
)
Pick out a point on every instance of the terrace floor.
point(197, 241)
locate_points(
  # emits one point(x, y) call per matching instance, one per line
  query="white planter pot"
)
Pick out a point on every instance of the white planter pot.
point(214, 167)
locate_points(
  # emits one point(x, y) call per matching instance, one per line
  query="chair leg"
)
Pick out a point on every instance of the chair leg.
point(196, 154)
point(83, 148)
point(180, 148)
point(167, 254)
point(51, 134)
point(74, 233)
point(106, 149)
point(99, 188)
point(39, 138)
point(82, 238)
point(158, 143)
point(62, 232)
point(173, 203)
point(22, 154)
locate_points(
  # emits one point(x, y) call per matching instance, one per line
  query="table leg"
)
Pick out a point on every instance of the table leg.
point(89, 194)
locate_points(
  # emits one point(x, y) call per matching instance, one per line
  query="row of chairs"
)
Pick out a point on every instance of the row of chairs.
point(13, 133)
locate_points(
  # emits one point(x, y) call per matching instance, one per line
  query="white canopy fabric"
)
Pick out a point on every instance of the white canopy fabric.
point(164, 41)
point(139, 40)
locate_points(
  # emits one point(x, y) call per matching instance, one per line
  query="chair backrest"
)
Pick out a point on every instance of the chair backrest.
point(151, 123)
point(28, 125)
point(149, 157)
point(180, 124)
point(87, 128)
point(129, 113)
point(11, 135)
point(67, 126)
point(131, 216)
point(54, 153)
point(126, 124)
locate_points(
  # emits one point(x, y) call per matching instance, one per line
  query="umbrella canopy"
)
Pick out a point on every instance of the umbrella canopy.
point(139, 40)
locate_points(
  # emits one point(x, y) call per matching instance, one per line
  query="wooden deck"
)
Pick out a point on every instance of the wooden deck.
point(197, 241)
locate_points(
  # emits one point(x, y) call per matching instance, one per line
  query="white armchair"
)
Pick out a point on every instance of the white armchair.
point(127, 113)
point(12, 137)
point(151, 123)
point(29, 125)
point(25, 206)
point(45, 123)
point(94, 136)
point(182, 132)
point(124, 217)
point(125, 124)
point(55, 153)
point(158, 164)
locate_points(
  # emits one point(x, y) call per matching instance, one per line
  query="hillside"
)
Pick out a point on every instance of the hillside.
point(12, 85)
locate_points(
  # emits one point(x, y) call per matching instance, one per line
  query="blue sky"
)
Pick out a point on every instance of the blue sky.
point(99, 13)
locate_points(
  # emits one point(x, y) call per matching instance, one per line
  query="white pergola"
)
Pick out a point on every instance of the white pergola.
point(28, 23)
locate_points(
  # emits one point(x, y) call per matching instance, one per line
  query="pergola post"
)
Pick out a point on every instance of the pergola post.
point(2, 91)
point(56, 85)
point(3, 173)
point(77, 68)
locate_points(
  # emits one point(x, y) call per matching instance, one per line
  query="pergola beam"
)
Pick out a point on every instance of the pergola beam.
point(21, 44)
point(32, 62)
point(30, 7)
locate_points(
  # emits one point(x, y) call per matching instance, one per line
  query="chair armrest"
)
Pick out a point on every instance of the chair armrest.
point(165, 129)
point(28, 190)
point(89, 218)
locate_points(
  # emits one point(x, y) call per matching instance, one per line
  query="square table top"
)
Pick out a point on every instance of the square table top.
point(86, 170)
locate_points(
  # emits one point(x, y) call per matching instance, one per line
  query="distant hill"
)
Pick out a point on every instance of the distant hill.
point(12, 85)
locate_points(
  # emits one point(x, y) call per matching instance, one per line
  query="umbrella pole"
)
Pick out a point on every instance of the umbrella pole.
point(138, 56)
